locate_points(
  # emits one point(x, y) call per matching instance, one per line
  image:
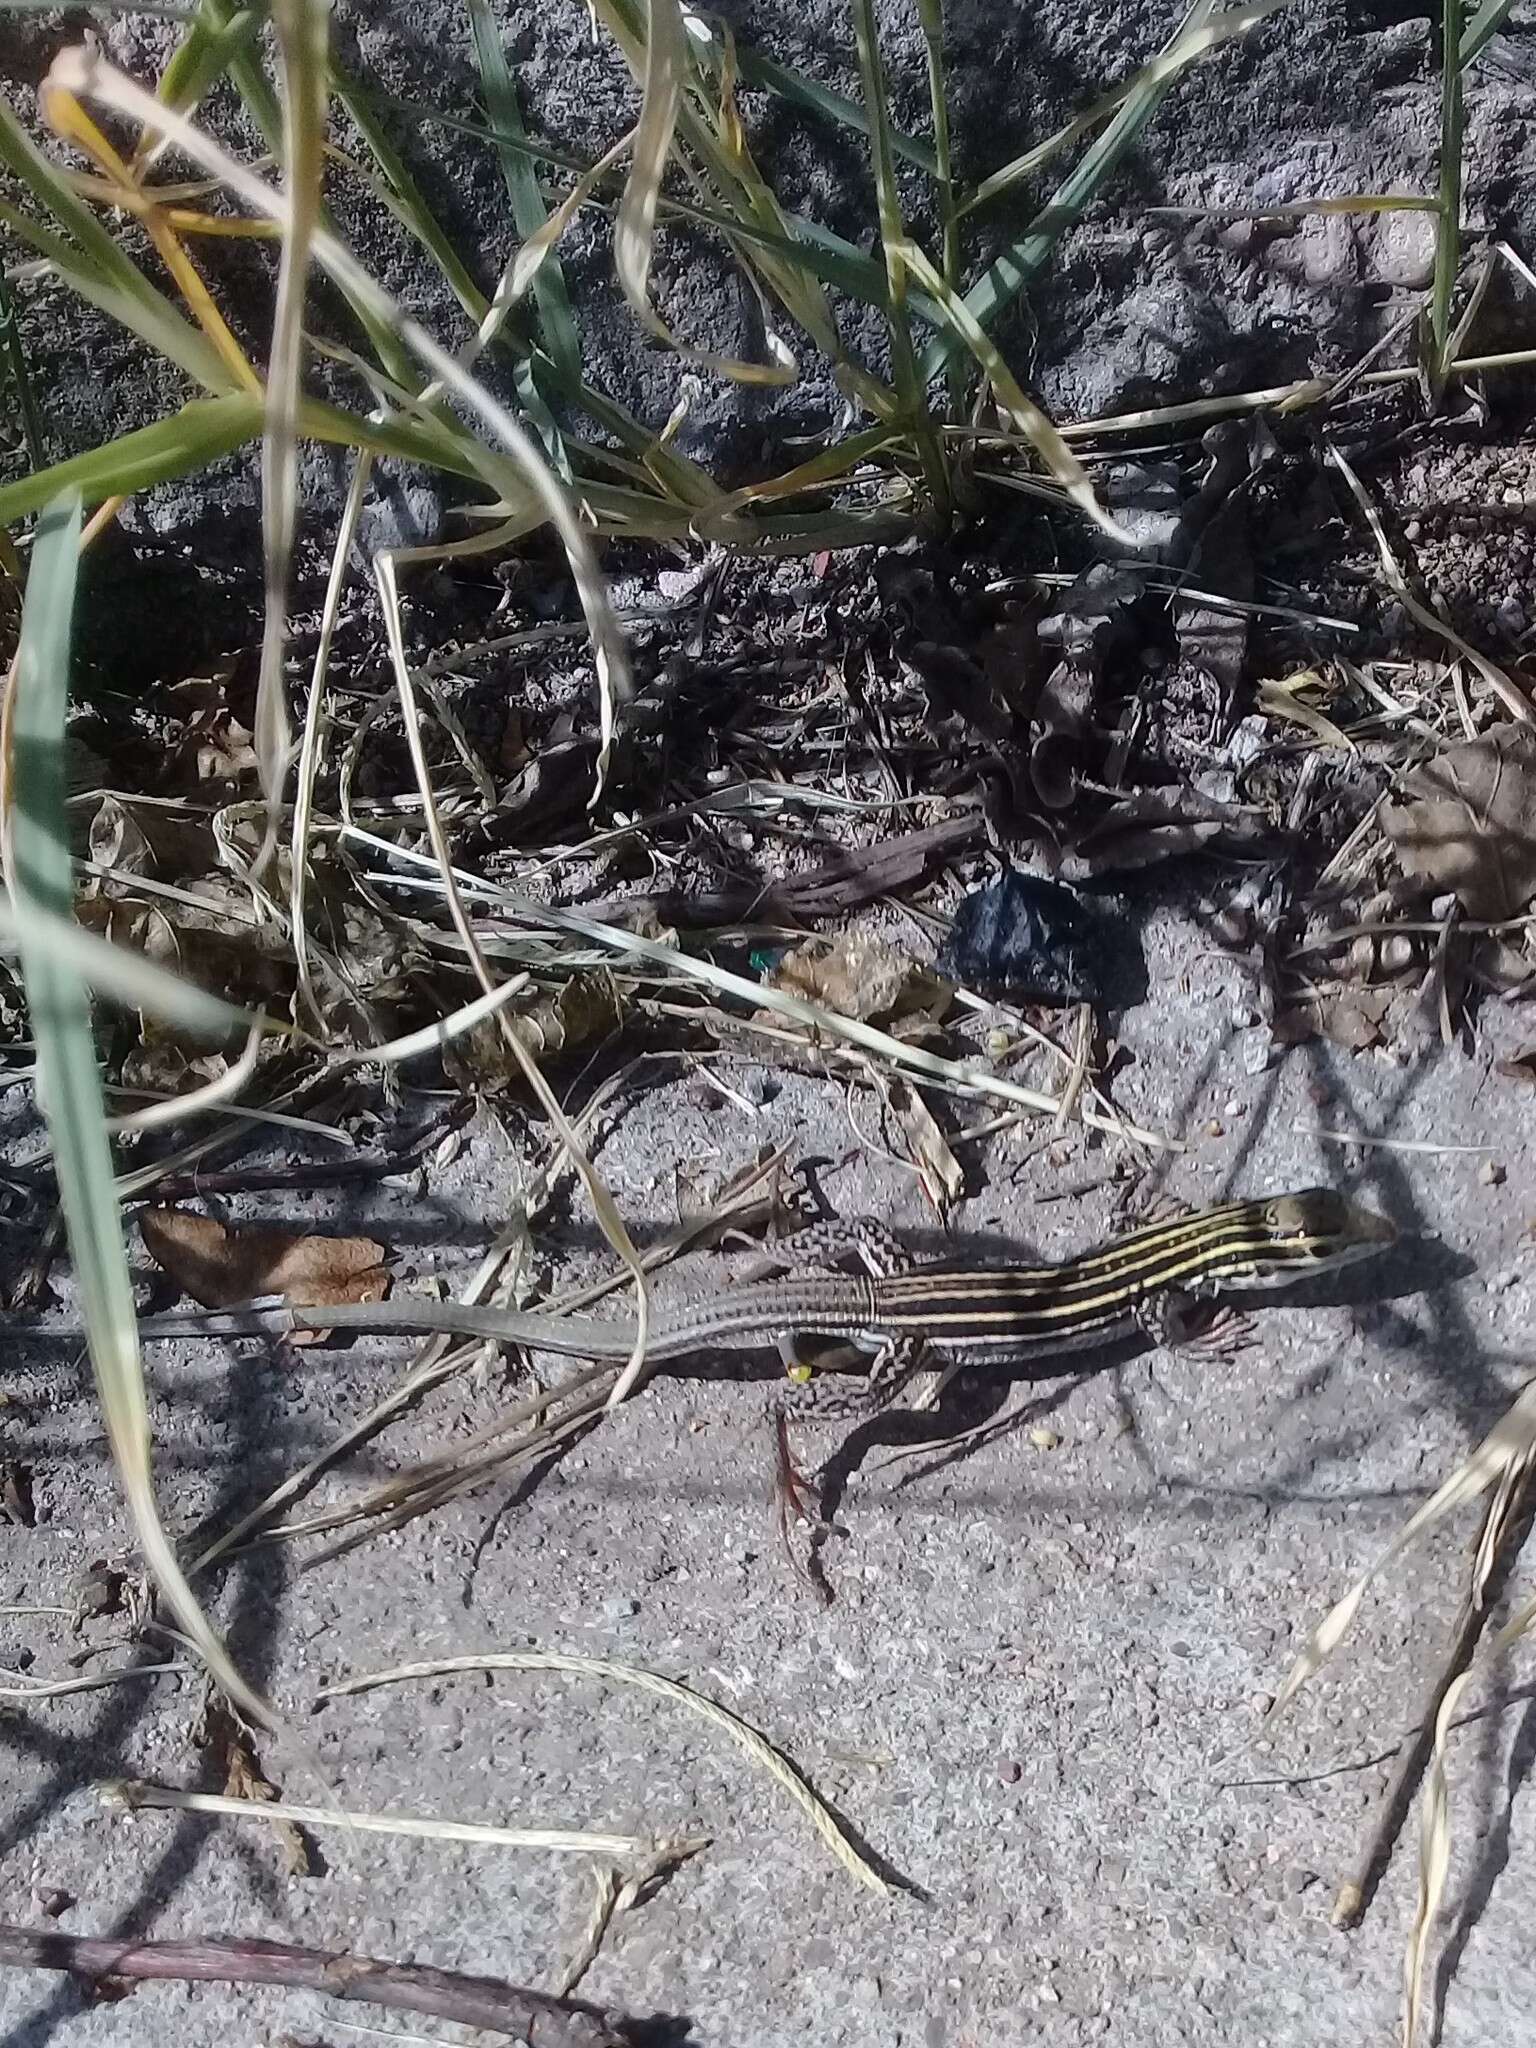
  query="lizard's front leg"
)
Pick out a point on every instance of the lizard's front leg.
point(1194, 1326)
point(825, 1247)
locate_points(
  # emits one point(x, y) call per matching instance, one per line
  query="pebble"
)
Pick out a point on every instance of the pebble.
point(1491, 1174)
point(1401, 250)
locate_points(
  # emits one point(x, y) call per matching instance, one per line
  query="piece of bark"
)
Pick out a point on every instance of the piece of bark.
point(487, 2002)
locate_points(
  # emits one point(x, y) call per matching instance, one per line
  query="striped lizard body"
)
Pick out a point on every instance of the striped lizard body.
point(999, 1314)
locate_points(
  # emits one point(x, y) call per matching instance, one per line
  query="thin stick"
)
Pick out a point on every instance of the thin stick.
point(559, 1841)
point(1078, 1076)
point(1506, 1523)
point(742, 1733)
point(487, 2002)
point(1383, 1144)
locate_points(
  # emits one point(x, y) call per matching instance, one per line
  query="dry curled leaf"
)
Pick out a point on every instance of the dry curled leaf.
point(1467, 822)
point(584, 1008)
point(938, 1169)
point(231, 1752)
point(1354, 1018)
point(1291, 698)
point(1153, 825)
point(860, 976)
point(221, 1267)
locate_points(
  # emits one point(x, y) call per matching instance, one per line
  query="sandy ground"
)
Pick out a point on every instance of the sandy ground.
point(1038, 1696)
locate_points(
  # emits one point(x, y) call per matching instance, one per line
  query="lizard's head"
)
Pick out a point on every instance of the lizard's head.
point(1318, 1227)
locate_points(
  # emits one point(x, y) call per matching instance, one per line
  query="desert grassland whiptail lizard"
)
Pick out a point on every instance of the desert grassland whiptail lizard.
point(1148, 1280)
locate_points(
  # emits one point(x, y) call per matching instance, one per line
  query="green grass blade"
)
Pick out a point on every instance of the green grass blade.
point(303, 29)
point(790, 238)
point(199, 434)
point(557, 323)
point(1482, 28)
point(1022, 262)
point(768, 76)
point(208, 49)
point(1190, 43)
point(911, 394)
point(90, 261)
point(135, 305)
point(217, 18)
point(666, 61)
point(206, 429)
point(69, 1086)
point(1448, 211)
point(13, 370)
point(931, 15)
point(1030, 420)
point(407, 203)
point(261, 103)
point(744, 192)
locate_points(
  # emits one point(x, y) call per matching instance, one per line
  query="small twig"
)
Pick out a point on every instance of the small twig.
point(1505, 1524)
point(792, 1500)
point(1383, 1144)
point(604, 1904)
point(1078, 1076)
point(486, 2002)
point(1513, 699)
point(187, 1187)
point(477, 1459)
point(56, 1688)
point(133, 1795)
point(760, 1751)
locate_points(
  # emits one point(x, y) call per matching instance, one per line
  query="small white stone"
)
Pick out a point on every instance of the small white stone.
point(1400, 249)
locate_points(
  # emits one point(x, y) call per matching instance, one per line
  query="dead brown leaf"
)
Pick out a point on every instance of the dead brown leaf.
point(1153, 825)
point(1467, 822)
point(213, 745)
point(227, 1743)
point(1354, 1018)
point(1520, 1066)
point(862, 976)
point(116, 839)
point(221, 1267)
point(941, 1173)
point(584, 1008)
